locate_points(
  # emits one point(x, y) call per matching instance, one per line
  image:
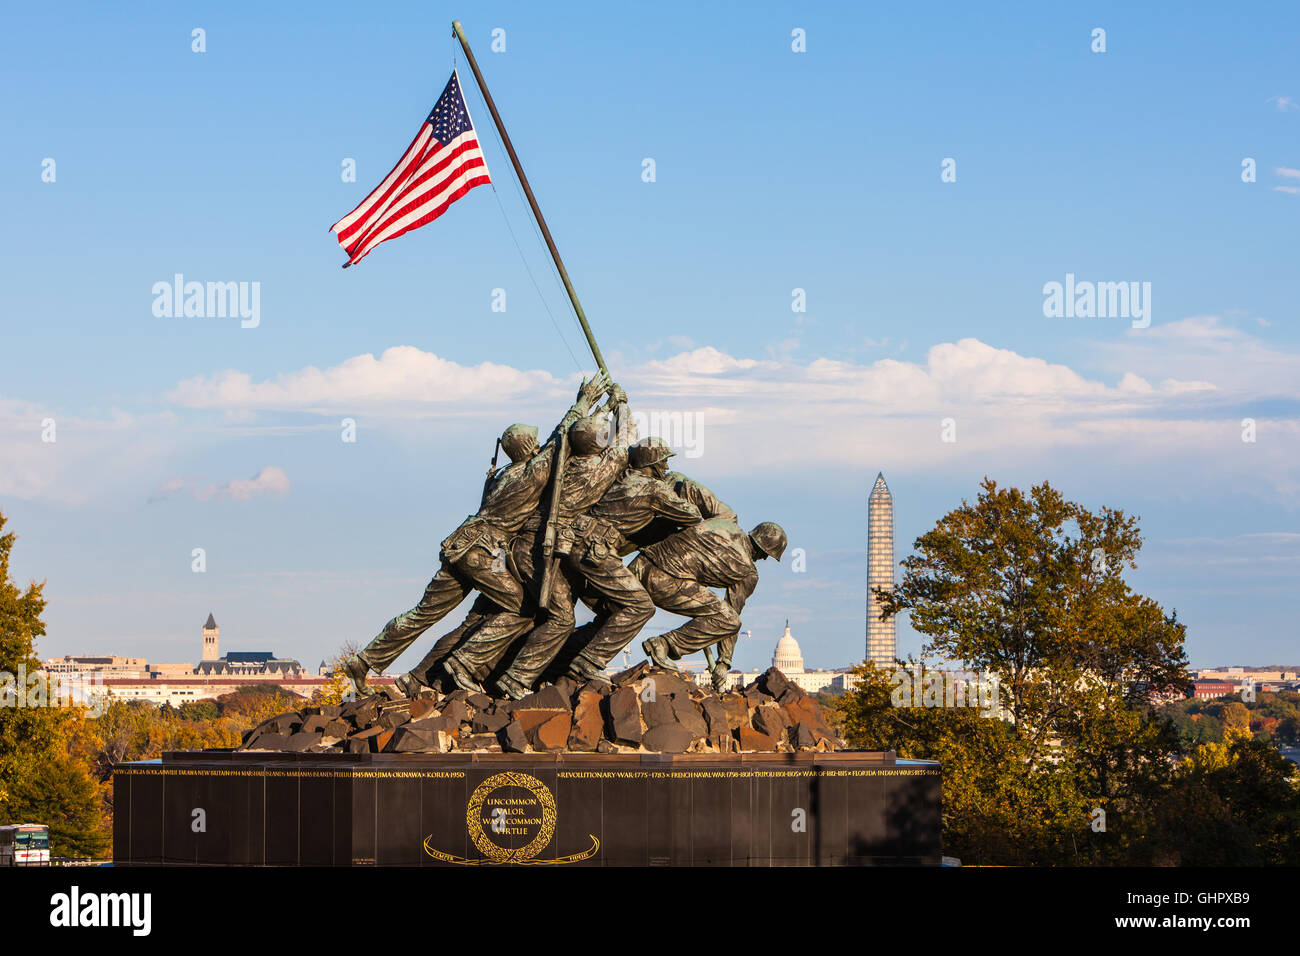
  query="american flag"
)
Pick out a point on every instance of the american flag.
point(443, 163)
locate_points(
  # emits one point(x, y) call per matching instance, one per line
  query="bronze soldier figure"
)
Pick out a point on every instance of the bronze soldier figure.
point(705, 500)
point(641, 503)
point(474, 555)
point(595, 463)
point(425, 673)
point(678, 573)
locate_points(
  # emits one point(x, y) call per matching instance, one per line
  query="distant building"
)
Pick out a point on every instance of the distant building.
point(241, 663)
point(1239, 674)
point(1210, 689)
point(133, 678)
point(882, 636)
point(105, 666)
point(250, 664)
point(163, 671)
point(211, 635)
point(788, 659)
point(177, 691)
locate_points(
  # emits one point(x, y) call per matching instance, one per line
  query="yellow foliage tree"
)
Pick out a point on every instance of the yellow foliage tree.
point(334, 691)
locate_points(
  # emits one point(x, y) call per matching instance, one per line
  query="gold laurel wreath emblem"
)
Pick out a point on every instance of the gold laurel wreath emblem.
point(474, 818)
point(498, 854)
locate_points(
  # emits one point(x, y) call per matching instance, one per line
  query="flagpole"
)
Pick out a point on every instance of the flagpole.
point(532, 200)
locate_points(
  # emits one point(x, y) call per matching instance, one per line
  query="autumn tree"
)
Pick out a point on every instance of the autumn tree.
point(999, 807)
point(40, 780)
point(1229, 804)
point(1028, 588)
point(338, 688)
point(27, 734)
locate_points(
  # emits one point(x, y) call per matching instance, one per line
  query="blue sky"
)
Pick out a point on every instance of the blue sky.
point(775, 170)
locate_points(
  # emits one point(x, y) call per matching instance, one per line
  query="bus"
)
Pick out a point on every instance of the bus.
point(24, 844)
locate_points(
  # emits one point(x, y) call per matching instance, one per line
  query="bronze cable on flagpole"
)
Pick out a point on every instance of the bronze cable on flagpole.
point(528, 192)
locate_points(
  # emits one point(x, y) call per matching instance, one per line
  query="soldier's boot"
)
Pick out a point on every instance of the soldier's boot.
point(508, 687)
point(461, 675)
point(410, 686)
point(582, 669)
point(356, 669)
point(720, 675)
point(657, 649)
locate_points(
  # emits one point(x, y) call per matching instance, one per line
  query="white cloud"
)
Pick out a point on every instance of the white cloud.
point(269, 480)
point(1202, 351)
point(1259, 554)
point(703, 361)
point(402, 378)
point(1135, 383)
point(87, 457)
point(1169, 399)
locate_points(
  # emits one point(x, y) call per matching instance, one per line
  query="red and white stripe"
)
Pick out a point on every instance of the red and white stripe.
point(428, 178)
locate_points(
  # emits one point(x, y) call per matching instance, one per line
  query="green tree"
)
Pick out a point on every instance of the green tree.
point(62, 794)
point(999, 806)
point(1235, 804)
point(1236, 717)
point(40, 781)
point(27, 734)
point(1030, 588)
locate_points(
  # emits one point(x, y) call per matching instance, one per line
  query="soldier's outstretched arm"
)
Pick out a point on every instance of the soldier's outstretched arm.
point(709, 505)
point(593, 388)
point(668, 504)
point(625, 430)
point(588, 392)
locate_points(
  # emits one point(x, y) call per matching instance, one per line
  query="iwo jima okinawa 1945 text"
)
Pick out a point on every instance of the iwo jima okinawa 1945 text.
point(510, 742)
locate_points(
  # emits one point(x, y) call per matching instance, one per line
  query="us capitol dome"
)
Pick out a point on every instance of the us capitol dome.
point(787, 658)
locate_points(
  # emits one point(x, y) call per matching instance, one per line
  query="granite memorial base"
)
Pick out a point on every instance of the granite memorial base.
point(219, 808)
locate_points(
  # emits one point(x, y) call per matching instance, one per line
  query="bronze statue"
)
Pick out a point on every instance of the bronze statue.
point(678, 572)
point(705, 500)
point(637, 509)
point(472, 556)
point(531, 561)
point(596, 460)
point(554, 527)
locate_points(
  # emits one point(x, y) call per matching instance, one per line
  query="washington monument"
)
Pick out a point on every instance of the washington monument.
point(882, 636)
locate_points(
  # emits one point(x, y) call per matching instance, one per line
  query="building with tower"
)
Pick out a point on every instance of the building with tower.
point(211, 634)
point(882, 636)
point(134, 678)
point(241, 663)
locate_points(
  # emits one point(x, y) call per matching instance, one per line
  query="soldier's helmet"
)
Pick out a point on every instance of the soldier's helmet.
point(649, 451)
point(770, 537)
point(588, 436)
point(519, 440)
